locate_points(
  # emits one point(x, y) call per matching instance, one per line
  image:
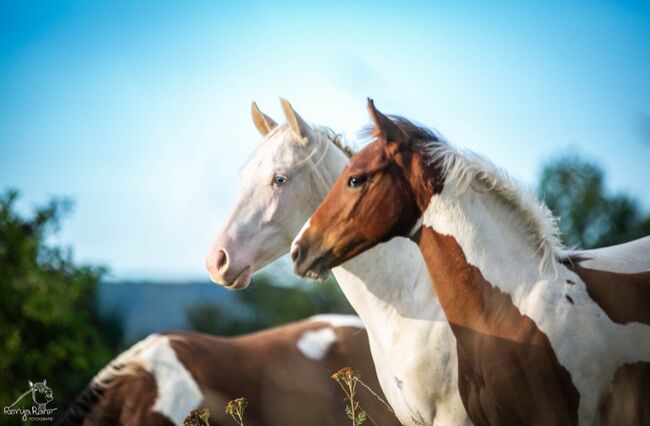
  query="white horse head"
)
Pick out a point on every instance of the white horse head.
point(281, 184)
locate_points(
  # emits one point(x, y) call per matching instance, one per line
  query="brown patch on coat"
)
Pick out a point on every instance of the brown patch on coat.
point(628, 403)
point(508, 371)
point(625, 298)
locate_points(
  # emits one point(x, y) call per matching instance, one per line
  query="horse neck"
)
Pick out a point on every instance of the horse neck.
point(388, 280)
point(484, 238)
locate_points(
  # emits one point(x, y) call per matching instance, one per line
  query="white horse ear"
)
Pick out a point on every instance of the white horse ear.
point(45, 382)
point(298, 125)
point(263, 122)
point(31, 385)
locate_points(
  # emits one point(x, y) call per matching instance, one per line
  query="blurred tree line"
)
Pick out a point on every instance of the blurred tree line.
point(49, 328)
point(48, 324)
point(589, 215)
point(271, 303)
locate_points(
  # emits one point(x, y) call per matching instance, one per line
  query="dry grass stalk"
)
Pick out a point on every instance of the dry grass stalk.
point(197, 418)
point(347, 379)
point(236, 408)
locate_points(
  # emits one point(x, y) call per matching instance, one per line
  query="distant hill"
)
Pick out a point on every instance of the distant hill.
point(146, 307)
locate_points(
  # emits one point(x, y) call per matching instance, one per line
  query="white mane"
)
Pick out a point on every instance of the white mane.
point(465, 169)
point(321, 133)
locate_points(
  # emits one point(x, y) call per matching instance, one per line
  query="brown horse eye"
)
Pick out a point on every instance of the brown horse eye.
point(357, 181)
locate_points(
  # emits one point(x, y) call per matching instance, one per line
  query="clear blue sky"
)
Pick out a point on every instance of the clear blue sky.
point(139, 111)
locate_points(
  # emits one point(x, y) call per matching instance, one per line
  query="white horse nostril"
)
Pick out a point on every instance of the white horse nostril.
point(221, 259)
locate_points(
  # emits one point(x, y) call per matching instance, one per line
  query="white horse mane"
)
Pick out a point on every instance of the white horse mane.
point(464, 169)
point(320, 131)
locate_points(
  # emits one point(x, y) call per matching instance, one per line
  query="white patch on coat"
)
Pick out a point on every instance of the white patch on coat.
point(304, 228)
point(314, 344)
point(338, 320)
point(178, 393)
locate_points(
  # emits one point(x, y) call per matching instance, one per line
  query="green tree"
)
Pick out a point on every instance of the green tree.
point(48, 326)
point(575, 190)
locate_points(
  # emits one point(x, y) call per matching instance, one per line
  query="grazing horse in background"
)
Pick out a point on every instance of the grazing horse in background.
point(289, 174)
point(544, 336)
point(284, 373)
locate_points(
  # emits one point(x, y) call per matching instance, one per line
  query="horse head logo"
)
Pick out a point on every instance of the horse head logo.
point(41, 394)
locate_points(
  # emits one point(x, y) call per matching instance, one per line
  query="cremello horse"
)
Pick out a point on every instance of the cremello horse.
point(544, 336)
point(289, 174)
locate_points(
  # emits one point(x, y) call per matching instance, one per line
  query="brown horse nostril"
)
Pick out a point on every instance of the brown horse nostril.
point(221, 260)
point(296, 253)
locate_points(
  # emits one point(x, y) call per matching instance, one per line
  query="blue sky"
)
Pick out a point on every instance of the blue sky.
point(139, 111)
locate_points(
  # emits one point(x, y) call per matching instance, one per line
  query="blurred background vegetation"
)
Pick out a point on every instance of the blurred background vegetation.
point(53, 325)
point(589, 214)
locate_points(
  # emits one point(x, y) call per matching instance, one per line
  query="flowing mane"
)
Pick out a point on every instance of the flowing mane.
point(324, 132)
point(336, 138)
point(465, 169)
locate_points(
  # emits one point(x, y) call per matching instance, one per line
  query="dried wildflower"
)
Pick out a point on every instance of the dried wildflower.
point(197, 418)
point(236, 408)
point(347, 379)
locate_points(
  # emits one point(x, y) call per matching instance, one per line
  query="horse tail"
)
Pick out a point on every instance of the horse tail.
point(83, 405)
point(126, 364)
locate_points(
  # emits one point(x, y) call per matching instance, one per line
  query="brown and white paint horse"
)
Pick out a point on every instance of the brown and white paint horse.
point(290, 172)
point(544, 336)
point(284, 373)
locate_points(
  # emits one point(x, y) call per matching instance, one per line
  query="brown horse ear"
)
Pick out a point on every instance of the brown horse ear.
point(385, 128)
point(296, 122)
point(263, 122)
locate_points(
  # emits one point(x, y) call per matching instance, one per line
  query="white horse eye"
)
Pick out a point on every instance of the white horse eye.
point(279, 180)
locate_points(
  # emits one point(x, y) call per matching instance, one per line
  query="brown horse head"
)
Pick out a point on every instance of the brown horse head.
point(380, 194)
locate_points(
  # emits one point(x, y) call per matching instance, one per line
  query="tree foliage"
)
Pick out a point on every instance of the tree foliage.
point(590, 216)
point(48, 327)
